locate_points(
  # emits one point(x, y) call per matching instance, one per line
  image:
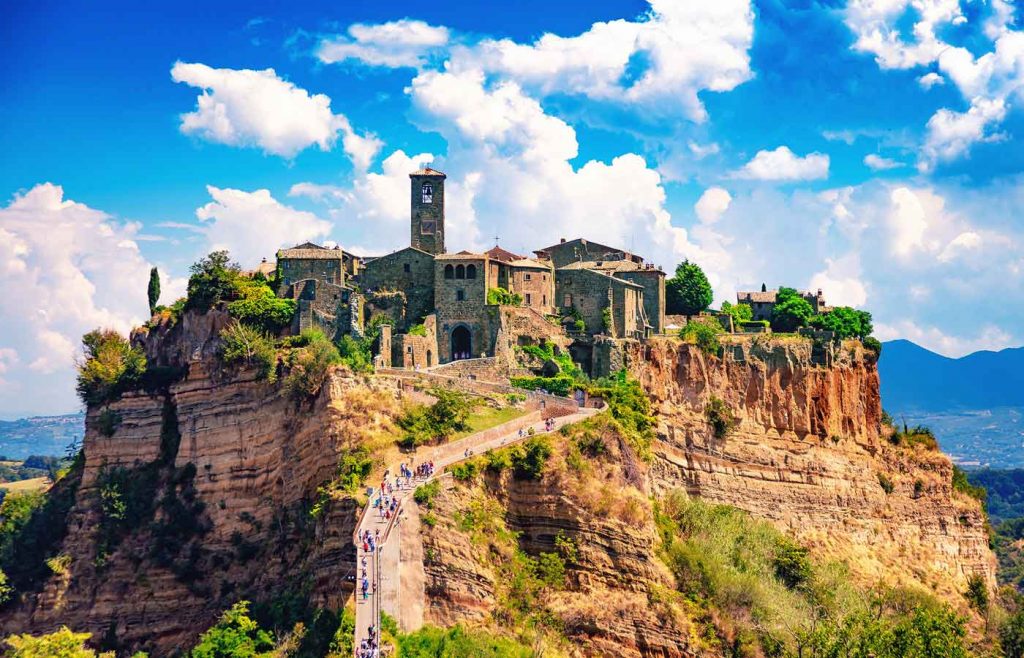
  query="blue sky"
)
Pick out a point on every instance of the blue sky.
point(867, 148)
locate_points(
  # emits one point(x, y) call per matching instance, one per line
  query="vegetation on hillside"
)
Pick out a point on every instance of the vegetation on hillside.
point(422, 425)
point(704, 333)
point(501, 297)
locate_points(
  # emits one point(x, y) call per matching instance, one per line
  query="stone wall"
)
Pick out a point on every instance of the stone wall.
point(329, 270)
point(427, 225)
point(653, 282)
point(536, 285)
point(409, 271)
point(322, 306)
point(414, 352)
point(461, 303)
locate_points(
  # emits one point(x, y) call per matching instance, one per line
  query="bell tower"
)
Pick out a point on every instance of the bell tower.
point(427, 218)
point(428, 210)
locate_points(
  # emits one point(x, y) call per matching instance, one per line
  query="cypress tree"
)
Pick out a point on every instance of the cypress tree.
point(154, 289)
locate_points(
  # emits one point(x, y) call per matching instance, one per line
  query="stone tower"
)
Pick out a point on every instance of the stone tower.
point(428, 210)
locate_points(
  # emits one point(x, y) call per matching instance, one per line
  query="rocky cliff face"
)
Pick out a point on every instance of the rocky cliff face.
point(808, 453)
point(231, 467)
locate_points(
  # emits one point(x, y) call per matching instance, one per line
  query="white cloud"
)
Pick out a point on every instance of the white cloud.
point(965, 242)
point(951, 134)
point(257, 108)
point(396, 44)
point(783, 164)
point(254, 225)
point(841, 281)
point(908, 219)
point(711, 204)
point(929, 80)
point(874, 23)
point(930, 337)
point(878, 163)
point(67, 269)
point(701, 151)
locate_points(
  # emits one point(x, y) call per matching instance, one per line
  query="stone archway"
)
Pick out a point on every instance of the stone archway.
point(462, 343)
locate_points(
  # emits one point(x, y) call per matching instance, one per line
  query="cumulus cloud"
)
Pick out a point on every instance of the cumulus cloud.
point(843, 280)
point(67, 269)
point(951, 134)
point(929, 80)
point(875, 24)
point(395, 44)
point(782, 164)
point(711, 204)
point(259, 109)
point(254, 225)
point(965, 242)
point(878, 163)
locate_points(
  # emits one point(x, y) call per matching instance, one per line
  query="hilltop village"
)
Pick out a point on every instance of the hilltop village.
point(433, 307)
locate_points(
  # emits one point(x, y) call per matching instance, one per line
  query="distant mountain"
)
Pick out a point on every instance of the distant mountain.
point(915, 379)
point(40, 435)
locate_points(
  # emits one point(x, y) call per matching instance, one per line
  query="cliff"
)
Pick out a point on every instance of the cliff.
point(219, 472)
point(807, 452)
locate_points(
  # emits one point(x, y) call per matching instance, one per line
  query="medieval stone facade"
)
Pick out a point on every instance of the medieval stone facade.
point(444, 298)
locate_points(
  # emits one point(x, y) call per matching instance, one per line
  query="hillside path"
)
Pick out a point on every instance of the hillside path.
point(382, 564)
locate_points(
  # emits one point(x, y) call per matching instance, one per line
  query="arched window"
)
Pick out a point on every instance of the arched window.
point(428, 193)
point(460, 272)
point(449, 272)
point(471, 271)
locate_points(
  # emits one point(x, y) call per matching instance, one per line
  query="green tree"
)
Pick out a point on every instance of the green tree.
point(236, 635)
point(260, 308)
point(703, 334)
point(111, 366)
point(60, 644)
point(740, 313)
point(242, 344)
point(688, 292)
point(154, 290)
point(846, 322)
point(213, 279)
point(791, 311)
point(1011, 635)
point(311, 364)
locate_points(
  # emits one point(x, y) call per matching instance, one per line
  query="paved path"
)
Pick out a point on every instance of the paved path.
point(380, 569)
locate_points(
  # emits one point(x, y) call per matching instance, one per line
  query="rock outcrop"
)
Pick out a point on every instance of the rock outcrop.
point(808, 453)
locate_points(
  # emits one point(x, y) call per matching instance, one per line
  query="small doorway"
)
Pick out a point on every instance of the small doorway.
point(430, 359)
point(462, 343)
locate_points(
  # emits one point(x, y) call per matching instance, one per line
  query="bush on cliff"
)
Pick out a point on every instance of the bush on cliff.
point(244, 345)
point(235, 635)
point(427, 424)
point(459, 642)
point(110, 367)
point(703, 332)
point(846, 322)
point(62, 643)
point(260, 308)
point(558, 385)
point(310, 365)
point(720, 417)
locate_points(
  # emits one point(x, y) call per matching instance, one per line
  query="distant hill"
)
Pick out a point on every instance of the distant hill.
point(40, 435)
point(915, 379)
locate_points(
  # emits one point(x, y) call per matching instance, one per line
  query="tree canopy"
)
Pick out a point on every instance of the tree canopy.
point(213, 278)
point(153, 290)
point(111, 366)
point(846, 322)
point(688, 292)
point(791, 311)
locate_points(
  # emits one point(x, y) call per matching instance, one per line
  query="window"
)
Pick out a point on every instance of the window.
point(428, 193)
point(526, 277)
point(544, 300)
point(406, 268)
point(471, 271)
point(568, 300)
point(527, 299)
point(428, 227)
point(449, 272)
point(460, 295)
point(460, 272)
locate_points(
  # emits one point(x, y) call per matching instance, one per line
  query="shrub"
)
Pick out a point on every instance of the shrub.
point(558, 385)
point(459, 642)
point(630, 408)
point(792, 565)
point(417, 330)
point(6, 591)
point(1011, 635)
point(236, 634)
point(425, 493)
point(449, 414)
point(502, 297)
point(977, 593)
point(355, 353)
point(874, 345)
point(465, 471)
point(111, 366)
point(720, 417)
point(59, 564)
point(551, 570)
point(108, 422)
point(310, 365)
point(62, 643)
point(529, 459)
point(213, 279)
point(887, 486)
point(260, 308)
point(498, 460)
point(704, 335)
point(845, 322)
point(963, 485)
point(739, 313)
point(242, 344)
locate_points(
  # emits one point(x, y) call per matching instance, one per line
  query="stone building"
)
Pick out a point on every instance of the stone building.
point(762, 302)
point(580, 249)
point(427, 226)
point(607, 304)
point(311, 261)
point(400, 285)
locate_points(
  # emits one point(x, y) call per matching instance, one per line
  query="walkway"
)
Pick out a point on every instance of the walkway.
point(381, 565)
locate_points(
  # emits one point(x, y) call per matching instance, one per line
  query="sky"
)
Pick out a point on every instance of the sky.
point(868, 148)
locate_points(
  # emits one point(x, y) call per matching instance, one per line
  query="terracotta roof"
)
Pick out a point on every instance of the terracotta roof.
point(604, 265)
point(462, 255)
point(756, 296)
point(427, 171)
point(505, 256)
point(530, 263)
point(591, 248)
point(310, 251)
